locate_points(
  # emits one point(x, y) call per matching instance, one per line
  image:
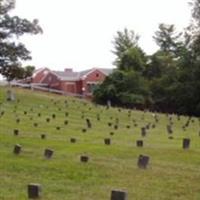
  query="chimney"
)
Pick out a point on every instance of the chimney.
point(68, 70)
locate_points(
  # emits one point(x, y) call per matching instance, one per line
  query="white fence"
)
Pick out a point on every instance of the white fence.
point(43, 87)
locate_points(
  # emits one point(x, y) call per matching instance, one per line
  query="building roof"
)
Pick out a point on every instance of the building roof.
point(74, 76)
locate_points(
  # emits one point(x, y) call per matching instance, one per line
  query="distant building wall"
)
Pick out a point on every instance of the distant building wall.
point(91, 80)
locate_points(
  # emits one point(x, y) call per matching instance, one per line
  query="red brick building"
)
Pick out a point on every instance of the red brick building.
point(82, 82)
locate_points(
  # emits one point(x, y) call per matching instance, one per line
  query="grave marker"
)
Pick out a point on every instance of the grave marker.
point(73, 140)
point(48, 153)
point(17, 149)
point(43, 136)
point(143, 161)
point(16, 132)
point(84, 158)
point(186, 143)
point(107, 141)
point(119, 195)
point(139, 143)
point(34, 191)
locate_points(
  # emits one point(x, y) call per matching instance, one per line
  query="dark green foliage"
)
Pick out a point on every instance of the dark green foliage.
point(167, 81)
point(12, 51)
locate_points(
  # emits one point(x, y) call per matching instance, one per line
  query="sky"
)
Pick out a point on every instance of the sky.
point(78, 34)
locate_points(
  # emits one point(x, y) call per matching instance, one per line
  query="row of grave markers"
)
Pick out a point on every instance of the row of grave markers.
point(35, 190)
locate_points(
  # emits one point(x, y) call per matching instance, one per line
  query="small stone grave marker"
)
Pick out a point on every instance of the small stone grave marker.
point(186, 143)
point(17, 149)
point(16, 132)
point(88, 122)
point(84, 130)
point(34, 191)
point(119, 195)
point(139, 143)
point(73, 140)
point(107, 141)
point(43, 136)
point(143, 161)
point(10, 96)
point(143, 131)
point(84, 158)
point(48, 153)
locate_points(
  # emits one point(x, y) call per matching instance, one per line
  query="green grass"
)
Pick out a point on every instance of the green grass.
point(172, 174)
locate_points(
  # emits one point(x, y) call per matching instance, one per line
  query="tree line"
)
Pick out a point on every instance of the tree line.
point(166, 81)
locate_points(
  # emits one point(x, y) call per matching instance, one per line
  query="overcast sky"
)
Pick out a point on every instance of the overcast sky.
point(78, 33)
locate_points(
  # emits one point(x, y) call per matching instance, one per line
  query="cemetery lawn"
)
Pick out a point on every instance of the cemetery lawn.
point(172, 174)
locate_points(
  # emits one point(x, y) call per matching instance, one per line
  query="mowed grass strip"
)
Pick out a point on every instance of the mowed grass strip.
point(173, 173)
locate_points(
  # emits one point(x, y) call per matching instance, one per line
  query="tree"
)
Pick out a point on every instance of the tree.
point(28, 71)
point(12, 52)
point(167, 39)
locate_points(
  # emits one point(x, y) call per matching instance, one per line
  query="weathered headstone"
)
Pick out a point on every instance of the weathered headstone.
point(107, 141)
point(119, 195)
point(169, 129)
point(84, 130)
point(48, 153)
point(88, 122)
point(58, 128)
point(17, 120)
point(10, 96)
point(17, 149)
point(16, 132)
point(84, 158)
point(34, 191)
point(128, 126)
point(73, 140)
point(112, 133)
point(35, 124)
point(109, 124)
point(143, 161)
point(139, 143)
point(143, 131)
point(43, 136)
point(66, 114)
point(186, 143)
point(115, 127)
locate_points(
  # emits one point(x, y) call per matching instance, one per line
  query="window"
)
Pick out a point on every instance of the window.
point(97, 75)
point(91, 87)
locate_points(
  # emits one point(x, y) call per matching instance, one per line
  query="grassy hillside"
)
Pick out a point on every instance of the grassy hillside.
point(173, 173)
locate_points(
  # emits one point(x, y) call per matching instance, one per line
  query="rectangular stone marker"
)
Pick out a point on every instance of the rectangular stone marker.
point(169, 129)
point(16, 132)
point(89, 125)
point(139, 143)
point(73, 140)
point(143, 131)
point(34, 191)
point(118, 195)
point(107, 141)
point(186, 143)
point(43, 136)
point(17, 149)
point(10, 96)
point(84, 158)
point(143, 161)
point(48, 153)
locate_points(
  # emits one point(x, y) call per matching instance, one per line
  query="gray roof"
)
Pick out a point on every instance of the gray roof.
point(68, 76)
point(73, 76)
